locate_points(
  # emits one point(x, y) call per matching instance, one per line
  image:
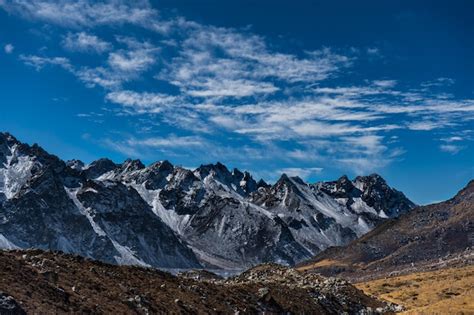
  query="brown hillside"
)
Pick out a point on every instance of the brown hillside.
point(425, 238)
point(53, 283)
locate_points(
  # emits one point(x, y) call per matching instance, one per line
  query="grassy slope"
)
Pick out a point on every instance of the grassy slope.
point(446, 291)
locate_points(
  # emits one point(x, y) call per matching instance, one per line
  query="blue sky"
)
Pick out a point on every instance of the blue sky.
point(310, 88)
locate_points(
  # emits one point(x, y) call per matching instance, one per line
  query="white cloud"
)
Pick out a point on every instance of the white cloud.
point(361, 165)
point(85, 13)
point(130, 61)
point(167, 142)
point(371, 144)
point(373, 51)
point(38, 62)
point(138, 58)
point(99, 76)
point(385, 83)
point(451, 148)
point(122, 65)
point(232, 84)
point(220, 62)
point(423, 125)
point(230, 88)
point(8, 48)
point(454, 144)
point(301, 172)
point(439, 82)
point(452, 139)
point(84, 42)
point(142, 102)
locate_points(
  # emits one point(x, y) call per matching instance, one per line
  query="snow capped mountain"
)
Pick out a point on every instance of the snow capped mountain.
point(46, 204)
point(166, 216)
point(333, 213)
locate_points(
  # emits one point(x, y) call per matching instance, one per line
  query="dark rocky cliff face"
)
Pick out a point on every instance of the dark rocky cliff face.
point(47, 205)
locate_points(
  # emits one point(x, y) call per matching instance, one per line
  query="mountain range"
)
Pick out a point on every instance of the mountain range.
point(427, 237)
point(167, 216)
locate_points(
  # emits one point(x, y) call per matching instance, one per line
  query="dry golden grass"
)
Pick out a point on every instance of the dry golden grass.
point(322, 263)
point(446, 291)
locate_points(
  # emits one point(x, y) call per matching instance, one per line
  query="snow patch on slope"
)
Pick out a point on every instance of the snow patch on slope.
point(360, 206)
point(168, 216)
point(84, 211)
point(6, 244)
point(127, 256)
point(15, 172)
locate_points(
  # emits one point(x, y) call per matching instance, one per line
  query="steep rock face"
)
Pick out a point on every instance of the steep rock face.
point(99, 167)
point(254, 222)
point(211, 214)
point(366, 193)
point(319, 215)
point(140, 237)
point(45, 204)
point(148, 215)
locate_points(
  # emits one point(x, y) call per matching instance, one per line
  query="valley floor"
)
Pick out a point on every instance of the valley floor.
point(445, 291)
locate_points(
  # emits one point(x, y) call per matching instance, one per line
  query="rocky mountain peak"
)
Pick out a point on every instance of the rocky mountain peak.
point(237, 173)
point(285, 192)
point(7, 142)
point(77, 165)
point(238, 181)
point(341, 188)
point(371, 180)
point(9, 138)
point(263, 184)
point(245, 181)
point(155, 176)
point(99, 167)
point(217, 170)
point(289, 182)
point(130, 165)
point(164, 165)
point(283, 180)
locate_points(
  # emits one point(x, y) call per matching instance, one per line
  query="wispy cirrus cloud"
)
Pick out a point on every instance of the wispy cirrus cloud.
point(438, 82)
point(455, 143)
point(219, 62)
point(39, 62)
point(87, 14)
point(234, 84)
point(84, 42)
point(142, 102)
point(138, 57)
point(451, 148)
point(122, 65)
point(302, 172)
point(167, 142)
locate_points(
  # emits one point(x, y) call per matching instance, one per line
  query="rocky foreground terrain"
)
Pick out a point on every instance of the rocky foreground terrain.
point(38, 282)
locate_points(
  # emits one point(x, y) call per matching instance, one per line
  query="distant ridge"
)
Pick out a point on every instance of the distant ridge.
point(426, 237)
point(167, 216)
